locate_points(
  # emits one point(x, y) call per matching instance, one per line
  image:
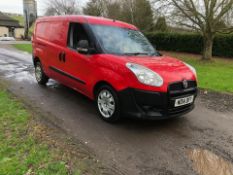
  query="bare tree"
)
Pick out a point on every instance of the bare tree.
point(61, 7)
point(129, 10)
point(114, 10)
point(96, 8)
point(137, 12)
point(204, 16)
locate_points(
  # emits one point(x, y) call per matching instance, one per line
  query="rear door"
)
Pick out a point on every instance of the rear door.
point(56, 32)
point(40, 42)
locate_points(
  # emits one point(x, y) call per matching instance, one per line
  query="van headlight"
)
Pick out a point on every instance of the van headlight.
point(191, 68)
point(145, 75)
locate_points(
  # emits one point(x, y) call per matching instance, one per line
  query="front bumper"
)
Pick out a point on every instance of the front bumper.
point(156, 105)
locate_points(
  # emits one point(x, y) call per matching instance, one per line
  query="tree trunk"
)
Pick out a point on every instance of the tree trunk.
point(208, 48)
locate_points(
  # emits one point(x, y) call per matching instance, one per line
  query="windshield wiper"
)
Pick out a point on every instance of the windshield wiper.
point(136, 53)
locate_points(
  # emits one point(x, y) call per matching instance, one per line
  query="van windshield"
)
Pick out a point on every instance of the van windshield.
point(122, 41)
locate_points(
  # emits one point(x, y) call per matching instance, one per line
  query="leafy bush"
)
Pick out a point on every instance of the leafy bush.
point(191, 43)
point(223, 46)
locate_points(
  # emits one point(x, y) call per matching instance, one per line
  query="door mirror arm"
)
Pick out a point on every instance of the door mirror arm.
point(82, 50)
point(92, 50)
point(86, 50)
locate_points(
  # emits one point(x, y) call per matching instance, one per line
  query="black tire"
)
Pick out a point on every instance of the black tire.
point(115, 116)
point(41, 78)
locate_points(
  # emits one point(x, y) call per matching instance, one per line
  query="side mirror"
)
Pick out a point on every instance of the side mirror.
point(83, 46)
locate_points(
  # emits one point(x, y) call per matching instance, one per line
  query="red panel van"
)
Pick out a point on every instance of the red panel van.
point(114, 64)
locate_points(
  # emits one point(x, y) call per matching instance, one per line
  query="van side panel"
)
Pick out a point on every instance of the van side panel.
point(52, 31)
point(50, 42)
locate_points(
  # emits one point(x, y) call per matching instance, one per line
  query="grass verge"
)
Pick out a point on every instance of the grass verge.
point(215, 75)
point(24, 47)
point(29, 147)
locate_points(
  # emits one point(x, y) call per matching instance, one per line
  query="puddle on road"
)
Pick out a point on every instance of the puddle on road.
point(18, 71)
point(22, 72)
point(208, 163)
point(11, 66)
point(22, 76)
point(53, 84)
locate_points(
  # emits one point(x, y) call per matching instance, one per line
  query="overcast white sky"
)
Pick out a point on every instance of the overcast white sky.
point(16, 6)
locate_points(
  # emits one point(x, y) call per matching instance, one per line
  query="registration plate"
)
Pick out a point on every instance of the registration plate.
point(184, 101)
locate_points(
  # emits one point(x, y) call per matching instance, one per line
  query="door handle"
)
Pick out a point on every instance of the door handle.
point(62, 57)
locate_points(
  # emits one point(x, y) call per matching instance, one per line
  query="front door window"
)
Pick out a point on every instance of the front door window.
point(76, 34)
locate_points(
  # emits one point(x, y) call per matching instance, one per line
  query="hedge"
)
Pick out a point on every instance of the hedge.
point(191, 43)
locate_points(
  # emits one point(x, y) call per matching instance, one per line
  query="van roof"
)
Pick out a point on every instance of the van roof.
point(88, 19)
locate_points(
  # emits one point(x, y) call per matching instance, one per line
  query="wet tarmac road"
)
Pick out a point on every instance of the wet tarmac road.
point(130, 147)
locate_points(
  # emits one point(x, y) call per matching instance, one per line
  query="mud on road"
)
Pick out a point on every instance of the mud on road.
point(172, 147)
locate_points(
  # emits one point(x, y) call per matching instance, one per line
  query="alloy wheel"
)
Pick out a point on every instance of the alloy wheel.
point(38, 73)
point(106, 103)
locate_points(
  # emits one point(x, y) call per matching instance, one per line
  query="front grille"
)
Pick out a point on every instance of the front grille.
point(179, 86)
point(177, 89)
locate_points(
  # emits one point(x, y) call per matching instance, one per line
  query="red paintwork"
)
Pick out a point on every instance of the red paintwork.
point(100, 67)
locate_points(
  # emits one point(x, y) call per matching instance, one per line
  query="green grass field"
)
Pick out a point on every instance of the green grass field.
point(24, 47)
point(20, 152)
point(216, 75)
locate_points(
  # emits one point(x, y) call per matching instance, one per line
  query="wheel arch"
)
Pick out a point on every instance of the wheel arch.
point(35, 60)
point(100, 84)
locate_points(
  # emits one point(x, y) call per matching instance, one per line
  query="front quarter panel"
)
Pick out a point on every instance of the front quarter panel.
point(108, 70)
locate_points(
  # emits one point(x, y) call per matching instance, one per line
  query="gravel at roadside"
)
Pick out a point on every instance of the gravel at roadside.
point(216, 101)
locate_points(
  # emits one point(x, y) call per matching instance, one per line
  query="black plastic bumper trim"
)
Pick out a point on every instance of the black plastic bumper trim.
point(152, 105)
